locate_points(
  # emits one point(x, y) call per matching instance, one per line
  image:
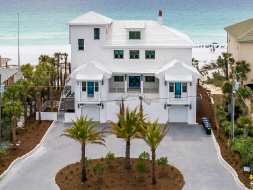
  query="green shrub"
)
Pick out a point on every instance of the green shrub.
point(162, 162)
point(99, 170)
point(144, 156)
point(140, 168)
point(2, 153)
point(109, 157)
point(87, 161)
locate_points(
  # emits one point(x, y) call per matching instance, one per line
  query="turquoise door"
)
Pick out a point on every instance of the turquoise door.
point(177, 90)
point(134, 81)
point(90, 93)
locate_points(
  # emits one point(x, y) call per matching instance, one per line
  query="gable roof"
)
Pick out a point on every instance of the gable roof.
point(5, 60)
point(171, 63)
point(6, 73)
point(154, 34)
point(91, 18)
point(241, 31)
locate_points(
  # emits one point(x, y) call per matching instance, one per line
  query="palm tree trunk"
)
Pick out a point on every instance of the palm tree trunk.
point(84, 178)
point(153, 167)
point(127, 161)
point(39, 109)
point(58, 74)
point(13, 121)
point(226, 67)
point(25, 114)
point(242, 82)
point(65, 68)
point(52, 100)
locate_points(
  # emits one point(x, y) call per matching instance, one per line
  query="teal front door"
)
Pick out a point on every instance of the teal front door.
point(134, 81)
point(90, 93)
point(177, 90)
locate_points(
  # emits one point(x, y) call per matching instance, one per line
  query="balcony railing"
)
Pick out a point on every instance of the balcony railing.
point(145, 90)
point(90, 97)
point(179, 98)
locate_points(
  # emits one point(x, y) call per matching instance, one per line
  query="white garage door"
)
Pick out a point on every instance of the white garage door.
point(178, 114)
point(92, 112)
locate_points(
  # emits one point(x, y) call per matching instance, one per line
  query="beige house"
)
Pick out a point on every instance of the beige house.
point(240, 44)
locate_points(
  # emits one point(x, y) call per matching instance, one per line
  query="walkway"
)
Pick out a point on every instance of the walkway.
point(186, 147)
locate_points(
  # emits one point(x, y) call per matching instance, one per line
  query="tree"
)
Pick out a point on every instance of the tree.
point(223, 61)
point(58, 57)
point(13, 92)
point(15, 109)
point(65, 66)
point(26, 84)
point(83, 132)
point(44, 58)
point(153, 136)
point(127, 129)
point(242, 68)
point(27, 70)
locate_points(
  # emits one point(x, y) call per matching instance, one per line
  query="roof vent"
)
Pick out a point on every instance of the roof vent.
point(160, 18)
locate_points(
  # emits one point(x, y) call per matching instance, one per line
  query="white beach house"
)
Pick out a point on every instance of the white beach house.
point(125, 59)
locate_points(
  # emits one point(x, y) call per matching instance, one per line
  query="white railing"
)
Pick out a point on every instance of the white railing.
point(88, 97)
point(117, 89)
point(151, 89)
point(178, 98)
point(45, 105)
point(133, 94)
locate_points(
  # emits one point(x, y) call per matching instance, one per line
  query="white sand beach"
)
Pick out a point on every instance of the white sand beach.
point(30, 54)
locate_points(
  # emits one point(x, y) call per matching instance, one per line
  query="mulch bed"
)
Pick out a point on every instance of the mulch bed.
point(231, 157)
point(116, 177)
point(29, 137)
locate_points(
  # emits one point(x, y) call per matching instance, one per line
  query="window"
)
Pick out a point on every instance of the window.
point(171, 87)
point(96, 87)
point(118, 54)
point(134, 54)
point(150, 54)
point(96, 33)
point(134, 35)
point(84, 86)
point(80, 44)
point(118, 78)
point(149, 79)
point(184, 87)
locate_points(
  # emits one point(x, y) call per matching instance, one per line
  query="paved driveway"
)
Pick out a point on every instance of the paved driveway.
point(186, 147)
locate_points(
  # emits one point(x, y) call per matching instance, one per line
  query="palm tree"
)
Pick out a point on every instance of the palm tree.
point(84, 132)
point(15, 109)
point(242, 69)
point(224, 61)
point(44, 58)
point(153, 135)
point(27, 70)
point(13, 92)
point(26, 86)
point(65, 66)
point(127, 129)
point(58, 57)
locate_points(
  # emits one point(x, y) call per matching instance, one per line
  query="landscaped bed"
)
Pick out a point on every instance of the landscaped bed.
point(29, 137)
point(116, 177)
point(233, 158)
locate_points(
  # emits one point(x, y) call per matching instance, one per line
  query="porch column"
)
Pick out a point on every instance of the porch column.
point(141, 83)
point(125, 83)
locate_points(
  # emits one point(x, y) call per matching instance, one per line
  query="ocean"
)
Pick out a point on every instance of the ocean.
point(43, 22)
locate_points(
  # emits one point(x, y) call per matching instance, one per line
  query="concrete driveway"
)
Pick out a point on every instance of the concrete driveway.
point(186, 147)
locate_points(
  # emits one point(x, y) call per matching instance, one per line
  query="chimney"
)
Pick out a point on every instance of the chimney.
point(160, 18)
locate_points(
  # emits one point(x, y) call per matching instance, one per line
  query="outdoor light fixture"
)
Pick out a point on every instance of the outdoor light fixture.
point(190, 83)
point(102, 82)
point(165, 106)
point(78, 106)
point(102, 105)
point(164, 83)
point(190, 106)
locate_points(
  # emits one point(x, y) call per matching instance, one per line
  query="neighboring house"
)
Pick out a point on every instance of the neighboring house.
point(8, 76)
point(240, 44)
point(113, 60)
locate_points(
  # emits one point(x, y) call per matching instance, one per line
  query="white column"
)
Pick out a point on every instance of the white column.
point(141, 83)
point(125, 83)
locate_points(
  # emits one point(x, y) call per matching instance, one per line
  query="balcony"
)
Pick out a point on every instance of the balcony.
point(90, 97)
point(178, 99)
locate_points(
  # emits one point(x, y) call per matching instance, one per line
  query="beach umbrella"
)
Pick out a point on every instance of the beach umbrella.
point(214, 43)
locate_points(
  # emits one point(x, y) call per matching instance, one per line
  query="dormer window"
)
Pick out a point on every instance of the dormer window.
point(134, 54)
point(134, 35)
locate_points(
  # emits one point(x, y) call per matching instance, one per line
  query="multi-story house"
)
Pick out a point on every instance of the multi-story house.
point(113, 60)
point(240, 44)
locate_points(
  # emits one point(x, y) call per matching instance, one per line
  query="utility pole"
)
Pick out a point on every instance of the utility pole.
point(233, 103)
point(18, 46)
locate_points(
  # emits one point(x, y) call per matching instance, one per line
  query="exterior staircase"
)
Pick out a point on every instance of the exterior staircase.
point(64, 94)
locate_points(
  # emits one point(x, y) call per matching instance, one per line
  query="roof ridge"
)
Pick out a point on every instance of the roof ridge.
point(245, 33)
point(238, 23)
point(101, 62)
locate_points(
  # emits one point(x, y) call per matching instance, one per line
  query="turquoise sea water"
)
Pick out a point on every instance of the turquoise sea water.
point(43, 22)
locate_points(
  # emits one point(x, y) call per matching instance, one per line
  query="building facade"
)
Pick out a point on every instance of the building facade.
point(115, 60)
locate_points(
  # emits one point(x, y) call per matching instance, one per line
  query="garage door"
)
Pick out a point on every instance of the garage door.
point(92, 112)
point(178, 114)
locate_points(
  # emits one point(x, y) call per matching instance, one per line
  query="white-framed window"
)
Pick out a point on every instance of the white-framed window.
point(84, 86)
point(118, 78)
point(171, 87)
point(150, 54)
point(149, 79)
point(96, 33)
point(184, 87)
point(134, 35)
point(80, 44)
point(96, 87)
point(118, 54)
point(134, 54)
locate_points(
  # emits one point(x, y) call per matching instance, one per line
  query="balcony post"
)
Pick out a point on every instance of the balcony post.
point(141, 83)
point(125, 83)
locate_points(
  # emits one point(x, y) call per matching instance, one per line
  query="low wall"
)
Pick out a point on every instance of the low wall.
point(69, 116)
point(49, 116)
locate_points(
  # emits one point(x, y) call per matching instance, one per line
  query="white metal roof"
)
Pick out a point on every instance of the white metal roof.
point(154, 35)
point(178, 77)
point(91, 18)
point(6, 73)
point(138, 24)
point(89, 77)
point(4, 60)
